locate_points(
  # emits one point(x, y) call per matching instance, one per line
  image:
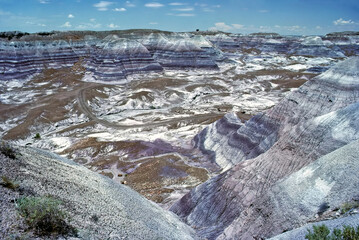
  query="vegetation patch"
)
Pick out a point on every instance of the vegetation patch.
point(37, 136)
point(7, 150)
point(8, 183)
point(346, 207)
point(44, 216)
point(322, 232)
point(14, 34)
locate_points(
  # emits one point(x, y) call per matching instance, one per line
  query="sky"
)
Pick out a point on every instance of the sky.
point(287, 17)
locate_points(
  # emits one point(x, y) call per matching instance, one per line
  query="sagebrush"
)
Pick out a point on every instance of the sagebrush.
point(43, 214)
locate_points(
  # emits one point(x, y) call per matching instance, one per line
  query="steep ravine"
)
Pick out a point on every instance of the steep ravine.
point(328, 92)
point(313, 121)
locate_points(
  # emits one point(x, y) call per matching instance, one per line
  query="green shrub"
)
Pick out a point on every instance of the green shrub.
point(321, 232)
point(350, 233)
point(7, 150)
point(44, 216)
point(8, 183)
point(37, 136)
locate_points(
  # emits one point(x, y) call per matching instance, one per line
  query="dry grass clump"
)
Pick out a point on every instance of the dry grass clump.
point(8, 183)
point(7, 150)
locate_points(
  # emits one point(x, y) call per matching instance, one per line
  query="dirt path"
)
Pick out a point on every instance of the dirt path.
point(85, 108)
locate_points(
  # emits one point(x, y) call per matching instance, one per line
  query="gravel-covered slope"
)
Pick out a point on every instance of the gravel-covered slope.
point(120, 212)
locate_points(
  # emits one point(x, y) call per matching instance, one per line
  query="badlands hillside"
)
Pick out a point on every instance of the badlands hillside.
point(241, 136)
point(99, 208)
point(287, 162)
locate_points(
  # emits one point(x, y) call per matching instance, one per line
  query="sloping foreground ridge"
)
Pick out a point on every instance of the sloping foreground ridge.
point(253, 198)
point(120, 212)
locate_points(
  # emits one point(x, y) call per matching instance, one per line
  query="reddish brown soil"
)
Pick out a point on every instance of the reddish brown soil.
point(151, 180)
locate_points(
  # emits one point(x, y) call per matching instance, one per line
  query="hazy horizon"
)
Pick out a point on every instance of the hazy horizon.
point(295, 17)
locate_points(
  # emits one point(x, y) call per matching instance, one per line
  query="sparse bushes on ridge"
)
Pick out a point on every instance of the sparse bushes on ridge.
point(13, 34)
point(321, 232)
point(46, 33)
point(43, 215)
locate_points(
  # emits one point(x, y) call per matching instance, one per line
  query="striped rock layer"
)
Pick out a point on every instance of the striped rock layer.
point(311, 122)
